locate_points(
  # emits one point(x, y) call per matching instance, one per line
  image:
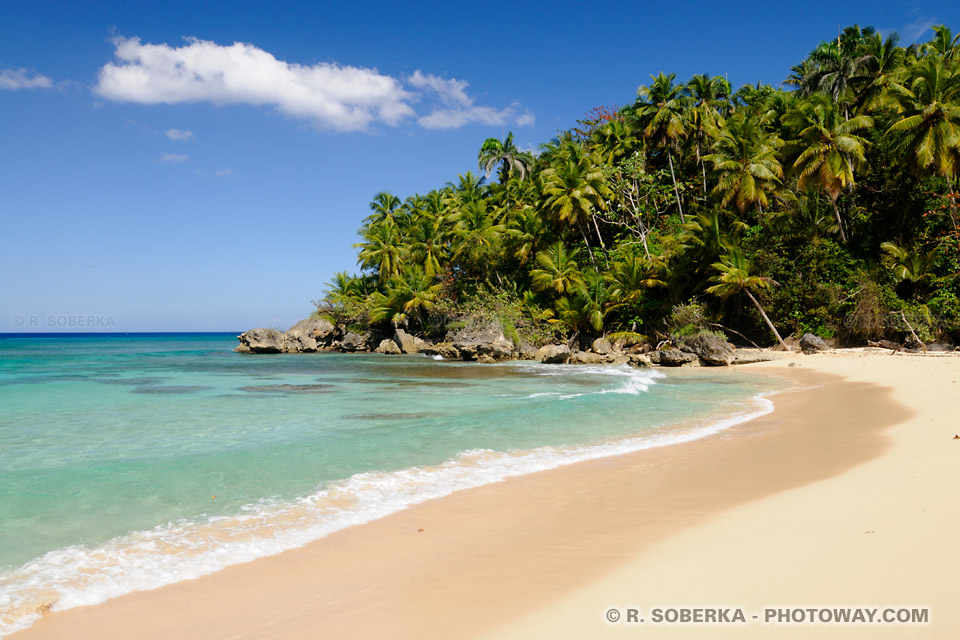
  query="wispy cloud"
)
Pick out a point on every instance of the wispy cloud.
point(456, 108)
point(183, 135)
point(172, 158)
point(332, 96)
point(913, 31)
point(223, 173)
point(14, 79)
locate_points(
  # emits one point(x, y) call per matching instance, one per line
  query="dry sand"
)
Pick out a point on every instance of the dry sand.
point(844, 496)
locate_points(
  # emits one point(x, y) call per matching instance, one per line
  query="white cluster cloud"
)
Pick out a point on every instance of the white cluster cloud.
point(183, 135)
point(172, 158)
point(14, 79)
point(332, 96)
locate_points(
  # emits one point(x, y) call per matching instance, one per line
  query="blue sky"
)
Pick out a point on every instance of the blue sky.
point(156, 176)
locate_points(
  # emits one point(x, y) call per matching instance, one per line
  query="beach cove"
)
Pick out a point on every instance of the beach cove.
point(843, 496)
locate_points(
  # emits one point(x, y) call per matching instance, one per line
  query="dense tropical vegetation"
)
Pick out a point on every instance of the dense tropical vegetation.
point(827, 205)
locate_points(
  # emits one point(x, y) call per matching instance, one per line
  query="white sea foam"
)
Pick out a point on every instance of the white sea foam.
point(78, 576)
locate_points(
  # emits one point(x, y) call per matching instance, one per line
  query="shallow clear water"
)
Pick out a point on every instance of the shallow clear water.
point(128, 462)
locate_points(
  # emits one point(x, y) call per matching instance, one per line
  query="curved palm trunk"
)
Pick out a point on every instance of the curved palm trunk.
point(767, 320)
point(676, 192)
point(587, 242)
point(836, 212)
point(603, 247)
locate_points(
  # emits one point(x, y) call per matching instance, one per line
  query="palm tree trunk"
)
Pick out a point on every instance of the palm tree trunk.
point(836, 212)
point(587, 242)
point(606, 258)
point(703, 169)
point(767, 320)
point(676, 192)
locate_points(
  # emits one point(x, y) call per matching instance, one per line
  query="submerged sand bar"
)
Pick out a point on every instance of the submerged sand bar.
point(845, 496)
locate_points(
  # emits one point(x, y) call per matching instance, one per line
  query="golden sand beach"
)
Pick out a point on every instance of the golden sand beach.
point(844, 496)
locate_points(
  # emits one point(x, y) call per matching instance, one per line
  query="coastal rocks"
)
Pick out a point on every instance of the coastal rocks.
point(355, 342)
point(408, 343)
point(261, 341)
point(602, 346)
point(588, 357)
point(672, 358)
point(710, 348)
point(810, 343)
point(750, 356)
point(639, 360)
point(388, 346)
point(445, 350)
point(487, 341)
point(553, 354)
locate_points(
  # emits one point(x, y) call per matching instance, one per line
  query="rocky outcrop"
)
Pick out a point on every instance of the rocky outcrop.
point(486, 341)
point(388, 346)
point(672, 358)
point(712, 350)
point(750, 356)
point(588, 357)
point(602, 346)
point(408, 343)
point(355, 341)
point(553, 354)
point(810, 343)
point(445, 350)
point(261, 341)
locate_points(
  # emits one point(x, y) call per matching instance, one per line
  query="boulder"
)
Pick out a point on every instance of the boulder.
point(810, 343)
point(672, 358)
point(488, 341)
point(527, 351)
point(553, 354)
point(712, 350)
point(320, 329)
point(388, 346)
point(485, 359)
point(261, 341)
point(354, 342)
point(638, 360)
point(602, 346)
point(750, 356)
point(443, 349)
point(409, 343)
point(587, 357)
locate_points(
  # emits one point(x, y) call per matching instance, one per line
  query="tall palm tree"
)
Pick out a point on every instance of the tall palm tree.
point(381, 250)
point(927, 133)
point(615, 139)
point(504, 153)
point(573, 191)
point(745, 156)
point(881, 62)
point(829, 149)
point(660, 108)
point(409, 294)
point(733, 277)
point(710, 99)
point(631, 277)
point(558, 271)
point(385, 207)
point(943, 44)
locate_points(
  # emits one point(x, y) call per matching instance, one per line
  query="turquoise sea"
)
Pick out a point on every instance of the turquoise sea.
point(132, 461)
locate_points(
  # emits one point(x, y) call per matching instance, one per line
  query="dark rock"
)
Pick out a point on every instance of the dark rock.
point(709, 347)
point(672, 358)
point(389, 347)
point(810, 343)
point(527, 351)
point(553, 354)
point(639, 360)
point(261, 341)
point(354, 342)
point(442, 349)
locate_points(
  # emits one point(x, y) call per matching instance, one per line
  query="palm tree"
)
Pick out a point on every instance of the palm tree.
point(881, 62)
point(927, 134)
point(385, 206)
point(944, 44)
point(429, 243)
point(410, 294)
point(525, 232)
point(734, 277)
point(916, 268)
point(745, 156)
point(506, 154)
point(710, 96)
point(573, 190)
point(631, 277)
point(661, 108)
point(558, 270)
point(614, 140)
point(829, 149)
point(381, 250)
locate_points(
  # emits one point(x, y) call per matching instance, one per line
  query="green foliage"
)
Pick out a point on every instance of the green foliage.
point(830, 209)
